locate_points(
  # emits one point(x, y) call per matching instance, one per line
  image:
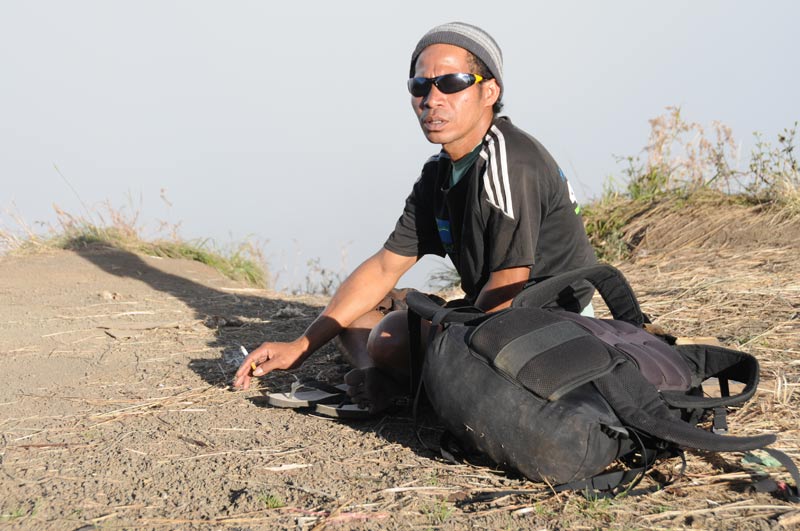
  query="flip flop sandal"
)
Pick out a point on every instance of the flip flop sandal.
point(344, 409)
point(308, 393)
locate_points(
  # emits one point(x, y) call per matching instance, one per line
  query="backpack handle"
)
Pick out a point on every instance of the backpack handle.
point(608, 280)
point(422, 305)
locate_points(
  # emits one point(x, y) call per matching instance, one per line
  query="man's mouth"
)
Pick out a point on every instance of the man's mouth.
point(434, 124)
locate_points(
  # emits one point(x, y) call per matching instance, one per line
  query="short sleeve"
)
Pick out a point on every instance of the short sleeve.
point(415, 233)
point(514, 199)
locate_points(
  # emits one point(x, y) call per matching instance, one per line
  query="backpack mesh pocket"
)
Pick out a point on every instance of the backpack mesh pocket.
point(549, 357)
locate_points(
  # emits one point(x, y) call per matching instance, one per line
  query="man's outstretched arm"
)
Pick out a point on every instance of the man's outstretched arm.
point(358, 294)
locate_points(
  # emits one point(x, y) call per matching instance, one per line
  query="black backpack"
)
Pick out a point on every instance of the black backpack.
point(559, 396)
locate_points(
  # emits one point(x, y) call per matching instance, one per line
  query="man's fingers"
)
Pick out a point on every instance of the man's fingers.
point(268, 366)
point(248, 367)
point(254, 358)
point(245, 367)
point(258, 364)
point(241, 381)
point(265, 359)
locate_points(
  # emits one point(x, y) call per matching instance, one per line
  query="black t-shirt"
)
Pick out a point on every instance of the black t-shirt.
point(513, 208)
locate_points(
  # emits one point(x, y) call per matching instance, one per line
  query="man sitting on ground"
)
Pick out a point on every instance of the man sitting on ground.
point(493, 200)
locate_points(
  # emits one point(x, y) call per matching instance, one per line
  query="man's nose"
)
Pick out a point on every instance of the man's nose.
point(434, 98)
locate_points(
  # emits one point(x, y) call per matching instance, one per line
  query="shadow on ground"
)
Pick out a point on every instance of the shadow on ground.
point(241, 319)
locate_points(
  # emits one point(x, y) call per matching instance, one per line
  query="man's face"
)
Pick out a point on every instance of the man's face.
point(456, 121)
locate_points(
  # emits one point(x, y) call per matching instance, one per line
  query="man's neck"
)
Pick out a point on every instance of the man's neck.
point(465, 145)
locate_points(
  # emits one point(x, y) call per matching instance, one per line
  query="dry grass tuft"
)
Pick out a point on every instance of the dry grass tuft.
point(120, 228)
point(683, 166)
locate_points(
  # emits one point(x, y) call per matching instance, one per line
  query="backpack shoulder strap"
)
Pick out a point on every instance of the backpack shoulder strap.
point(420, 306)
point(711, 361)
point(637, 404)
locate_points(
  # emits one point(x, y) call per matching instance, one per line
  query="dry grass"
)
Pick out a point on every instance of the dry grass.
point(683, 158)
point(120, 228)
point(685, 166)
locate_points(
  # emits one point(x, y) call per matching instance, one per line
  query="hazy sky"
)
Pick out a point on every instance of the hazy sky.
point(289, 122)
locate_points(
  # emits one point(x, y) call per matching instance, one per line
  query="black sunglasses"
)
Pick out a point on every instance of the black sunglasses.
point(447, 84)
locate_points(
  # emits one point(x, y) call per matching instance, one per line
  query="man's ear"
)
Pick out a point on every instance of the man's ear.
point(491, 92)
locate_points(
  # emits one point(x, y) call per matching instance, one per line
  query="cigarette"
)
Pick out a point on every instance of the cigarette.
point(244, 351)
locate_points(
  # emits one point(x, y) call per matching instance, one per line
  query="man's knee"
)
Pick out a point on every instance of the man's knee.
point(388, 341)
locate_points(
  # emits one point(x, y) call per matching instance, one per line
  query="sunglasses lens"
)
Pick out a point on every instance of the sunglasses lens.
point(452, 83)
point(419, 86)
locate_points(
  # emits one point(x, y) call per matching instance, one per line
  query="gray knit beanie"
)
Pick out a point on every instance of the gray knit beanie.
point(471, 38)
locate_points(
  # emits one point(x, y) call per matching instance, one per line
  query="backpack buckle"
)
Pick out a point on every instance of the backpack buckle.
point(615, 432)
point(720, 423)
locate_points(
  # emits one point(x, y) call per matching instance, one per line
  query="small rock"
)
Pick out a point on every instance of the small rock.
point(288, 312)
point(306, 522)
point(218, 321)
point(109, 296)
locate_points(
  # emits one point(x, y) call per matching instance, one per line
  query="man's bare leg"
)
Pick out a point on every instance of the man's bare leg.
point(377, 347)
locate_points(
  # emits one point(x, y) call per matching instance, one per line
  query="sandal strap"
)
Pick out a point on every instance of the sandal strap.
point(312, 384)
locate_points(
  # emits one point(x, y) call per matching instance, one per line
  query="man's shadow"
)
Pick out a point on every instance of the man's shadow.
point(241, 319)
point(236, 317)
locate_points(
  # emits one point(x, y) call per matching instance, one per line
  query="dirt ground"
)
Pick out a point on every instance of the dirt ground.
point(115, 411)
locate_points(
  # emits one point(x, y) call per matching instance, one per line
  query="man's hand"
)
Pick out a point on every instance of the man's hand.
point(357, 295)
point(267, 357)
